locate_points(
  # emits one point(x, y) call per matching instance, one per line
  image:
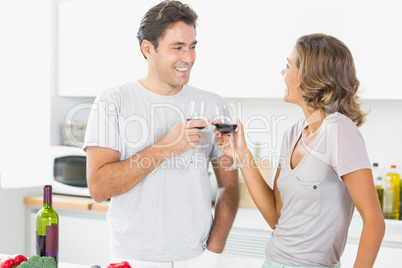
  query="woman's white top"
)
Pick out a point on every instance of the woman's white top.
point(317, 207)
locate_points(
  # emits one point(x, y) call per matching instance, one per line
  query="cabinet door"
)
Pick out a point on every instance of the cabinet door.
point(241, 49)
point(387, 256)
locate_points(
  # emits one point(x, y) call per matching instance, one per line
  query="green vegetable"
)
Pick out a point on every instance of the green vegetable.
point(35, 258)
point(48, 262)
point(23, 264)
point(38, 262)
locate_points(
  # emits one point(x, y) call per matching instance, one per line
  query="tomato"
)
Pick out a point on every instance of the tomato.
point(20, 258)
point(122, 264)
point(7, 263)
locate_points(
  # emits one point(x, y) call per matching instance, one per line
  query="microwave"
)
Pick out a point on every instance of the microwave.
point(68, 176)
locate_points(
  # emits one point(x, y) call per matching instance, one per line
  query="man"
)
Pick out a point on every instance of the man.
point(153, 164)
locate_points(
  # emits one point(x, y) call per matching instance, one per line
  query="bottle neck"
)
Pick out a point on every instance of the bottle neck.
point(47, 197)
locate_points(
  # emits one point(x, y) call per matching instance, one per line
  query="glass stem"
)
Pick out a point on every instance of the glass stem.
point(233, 151)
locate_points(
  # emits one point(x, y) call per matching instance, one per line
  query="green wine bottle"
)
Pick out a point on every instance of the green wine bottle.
point(47, 227)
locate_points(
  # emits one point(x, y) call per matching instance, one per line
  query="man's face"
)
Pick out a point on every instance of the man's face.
point(171, 62)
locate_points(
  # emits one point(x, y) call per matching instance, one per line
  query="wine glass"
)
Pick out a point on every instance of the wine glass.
point(197, 111)
point(225, 123)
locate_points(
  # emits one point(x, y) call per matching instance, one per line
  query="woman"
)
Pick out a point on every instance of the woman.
point(324, 171)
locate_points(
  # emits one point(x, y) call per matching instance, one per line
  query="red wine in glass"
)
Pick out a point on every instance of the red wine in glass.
point(225, 122)
point(226, 128)
point(189, 119)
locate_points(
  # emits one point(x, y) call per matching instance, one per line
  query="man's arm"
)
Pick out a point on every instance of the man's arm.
point(226, 205)
point(108, 177)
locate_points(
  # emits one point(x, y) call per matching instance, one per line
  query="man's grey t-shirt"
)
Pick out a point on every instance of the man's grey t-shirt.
point(167, 216)
point(317, 207)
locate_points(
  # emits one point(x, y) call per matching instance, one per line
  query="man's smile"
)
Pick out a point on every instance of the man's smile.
point(181, 69)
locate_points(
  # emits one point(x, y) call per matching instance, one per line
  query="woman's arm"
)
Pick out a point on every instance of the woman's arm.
point(267, 200)
point(261, 193)
point(361, 188)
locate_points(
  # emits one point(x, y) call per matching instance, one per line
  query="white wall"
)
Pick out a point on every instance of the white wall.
point(382, 133)
point(24, 90)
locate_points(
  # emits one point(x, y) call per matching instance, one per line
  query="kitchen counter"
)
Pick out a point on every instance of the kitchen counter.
point(69, 202)
point(245, 245)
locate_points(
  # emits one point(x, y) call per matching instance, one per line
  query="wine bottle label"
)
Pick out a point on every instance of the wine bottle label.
point(52, 240)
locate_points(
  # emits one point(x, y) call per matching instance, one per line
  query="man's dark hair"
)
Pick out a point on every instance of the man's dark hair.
point(162, 16)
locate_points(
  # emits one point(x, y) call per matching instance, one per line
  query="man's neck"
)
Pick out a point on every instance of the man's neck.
point(159, 88)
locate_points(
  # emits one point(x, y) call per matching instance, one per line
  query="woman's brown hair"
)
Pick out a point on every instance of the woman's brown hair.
point(327, 76)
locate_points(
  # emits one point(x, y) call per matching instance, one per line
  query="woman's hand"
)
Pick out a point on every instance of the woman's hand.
point(237, 138)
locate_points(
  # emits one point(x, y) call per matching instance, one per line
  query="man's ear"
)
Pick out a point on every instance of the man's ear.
point(147, 48)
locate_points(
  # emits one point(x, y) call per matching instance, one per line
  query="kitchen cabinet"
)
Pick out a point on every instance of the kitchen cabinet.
point(250, 233)
point(241, 47)
point(13, 219)
point(387, 256)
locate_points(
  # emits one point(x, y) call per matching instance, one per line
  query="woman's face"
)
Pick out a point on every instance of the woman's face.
point(293, 93)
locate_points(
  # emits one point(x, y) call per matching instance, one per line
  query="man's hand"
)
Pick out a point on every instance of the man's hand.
point(182, 137)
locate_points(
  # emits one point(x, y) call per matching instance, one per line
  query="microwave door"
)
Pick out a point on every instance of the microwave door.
point(71, 170)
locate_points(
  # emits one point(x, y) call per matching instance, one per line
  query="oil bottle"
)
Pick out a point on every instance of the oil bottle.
point(393, 180)
point(388, 198)
point(378, 184)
